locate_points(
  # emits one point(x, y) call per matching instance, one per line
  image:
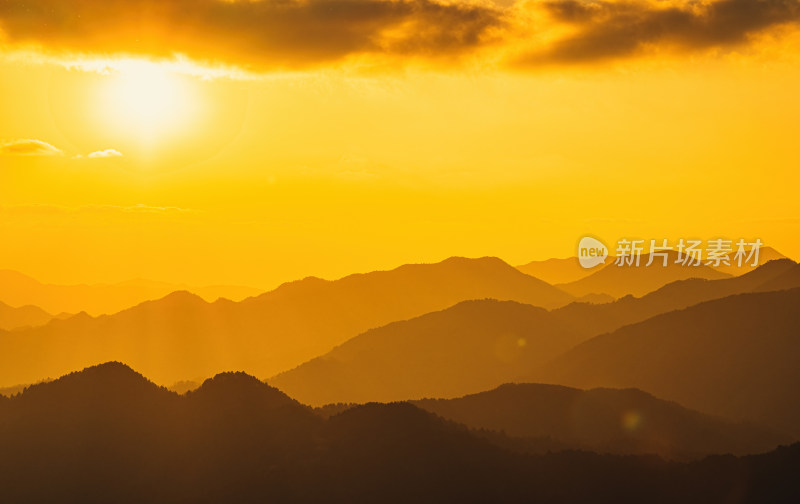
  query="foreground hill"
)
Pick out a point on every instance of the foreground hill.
point(23, 316)
point(603, 420)
point(619, 281)
point(17, 289)
point(108, 435)
point(472, 346)
point(182, 336)
point(736, 357)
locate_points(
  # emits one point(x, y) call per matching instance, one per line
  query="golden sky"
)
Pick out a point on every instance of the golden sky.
point(254, 142)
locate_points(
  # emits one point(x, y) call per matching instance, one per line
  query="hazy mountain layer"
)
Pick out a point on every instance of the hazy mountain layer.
point(736, 356)
point(479, 345)
point(181, 336)
point(619, 281)
point(23, 316)
point(17, 289)
point(472, 346)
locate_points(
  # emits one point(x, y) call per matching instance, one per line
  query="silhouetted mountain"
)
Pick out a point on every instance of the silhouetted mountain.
point(428, 357)
point(437, 355)
point(108, 435)
point(240, 390)
point(182, 336)
point(472, 346)
point(559, 271)
point(24, 316)
point(590, 319)
point(619, 281)
point(17, 289)
point(603, 420)
point(419, 286)
point(736, 357)
point(595, 299)
point(568, 270)
point(789, 280)
point(765, 255)
point(183, 386)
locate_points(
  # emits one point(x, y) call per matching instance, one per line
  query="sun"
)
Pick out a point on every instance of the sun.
point(162, 116)
point(147, 101)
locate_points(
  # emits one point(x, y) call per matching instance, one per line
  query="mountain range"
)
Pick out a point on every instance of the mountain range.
point(558, 270)
point(603, 420)
point(432, 330)
point(637, 280)
point(107, 434)
point(17, 289)
point(774, 275)
point(23, 316)
point(569, 271)
point(182, 336)
point(765, 255)
point(478, 345)
point(471, 346)
point(735, 357)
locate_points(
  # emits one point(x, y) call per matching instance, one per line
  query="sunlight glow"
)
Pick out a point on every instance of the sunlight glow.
point(147, 100)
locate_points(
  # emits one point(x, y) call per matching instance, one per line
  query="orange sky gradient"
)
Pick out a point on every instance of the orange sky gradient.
point(142, 146)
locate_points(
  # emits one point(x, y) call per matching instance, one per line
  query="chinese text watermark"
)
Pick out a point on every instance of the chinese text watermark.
point(713, 253)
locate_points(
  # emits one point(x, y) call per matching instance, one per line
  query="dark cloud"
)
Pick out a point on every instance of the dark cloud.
point(259, 34)
point(616, 29)
point(274, 34)
point(28, 147)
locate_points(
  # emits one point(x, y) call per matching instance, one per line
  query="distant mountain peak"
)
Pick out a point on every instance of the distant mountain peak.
point(183, 295)
point(240, 387)
point(484, 262)
point(396, 416)
point(8, 274)
point(641, 279)
point(231, 379)
point(172, 300)
point(477, 260)
point(101, 380)
point(112, 370)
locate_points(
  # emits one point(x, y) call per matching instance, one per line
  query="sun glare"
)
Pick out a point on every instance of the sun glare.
point(147, 100)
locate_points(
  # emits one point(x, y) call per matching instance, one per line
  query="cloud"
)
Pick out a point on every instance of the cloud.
point(265, 35)
point(610, 29)
point(104, 154)
point(261, 34)
point(28, 147)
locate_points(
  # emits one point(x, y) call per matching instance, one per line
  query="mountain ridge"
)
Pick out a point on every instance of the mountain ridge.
point(182, 336)
point(105, 298)
point(603, 420)
point(159, 447)
point(619, 281)
point(734, 356)
point(470, 346)
point(22, 316)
